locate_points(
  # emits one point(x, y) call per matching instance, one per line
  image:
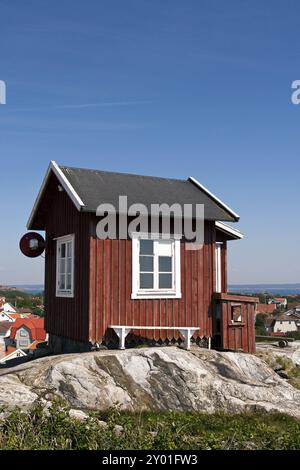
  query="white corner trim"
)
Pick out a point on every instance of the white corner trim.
point(232, 231)
point(65, 184)
point(209, 193)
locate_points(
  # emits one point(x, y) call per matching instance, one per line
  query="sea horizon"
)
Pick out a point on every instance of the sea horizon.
point(280, 289)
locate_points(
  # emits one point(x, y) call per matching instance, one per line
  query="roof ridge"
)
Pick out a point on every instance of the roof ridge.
point(64, 167)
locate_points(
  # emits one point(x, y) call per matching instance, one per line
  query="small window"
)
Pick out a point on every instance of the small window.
point(236, 313)
point(65, 267)
point(23, 333)
point(155, 267)
point(23, 343)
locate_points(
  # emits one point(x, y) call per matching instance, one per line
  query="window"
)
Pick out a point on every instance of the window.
point(23, 333)
point(236, 313)
point(23, 343)
point(65, 267)
point(155, 267)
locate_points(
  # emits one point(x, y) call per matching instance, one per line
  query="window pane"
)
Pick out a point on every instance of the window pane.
point(164, 247)
point(146, 281)
point(69, 266)
point(69, 282)
point(165, 264)
point(63, 250)
point(62, 282)
point(69, 250)
point(146, 247)
point(62, 266)
point(146, 263)
point(165, 281)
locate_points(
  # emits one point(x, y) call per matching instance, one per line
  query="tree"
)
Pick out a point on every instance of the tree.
point(260, 328)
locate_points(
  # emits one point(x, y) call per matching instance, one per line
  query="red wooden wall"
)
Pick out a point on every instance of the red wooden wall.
point(103, 282)
point(237, 335)
point(110, 290)
point(66, 317)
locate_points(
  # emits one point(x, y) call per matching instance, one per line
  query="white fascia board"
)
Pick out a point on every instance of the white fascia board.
point(230, 230)
point(65, 184)
point(215, 198)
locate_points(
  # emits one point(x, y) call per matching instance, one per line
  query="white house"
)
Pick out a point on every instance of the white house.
point(5, 316)
point(5, 309)
point(9, 308)
point(13, 355)
point(286, 323)
point(279, 302)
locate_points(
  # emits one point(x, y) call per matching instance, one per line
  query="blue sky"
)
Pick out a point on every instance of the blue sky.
point(171, 88)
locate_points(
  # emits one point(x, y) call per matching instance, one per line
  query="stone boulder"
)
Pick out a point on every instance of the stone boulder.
point(160, 378)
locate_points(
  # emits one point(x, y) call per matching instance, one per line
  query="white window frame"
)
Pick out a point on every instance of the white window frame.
point(59, 241)
point(137, 292)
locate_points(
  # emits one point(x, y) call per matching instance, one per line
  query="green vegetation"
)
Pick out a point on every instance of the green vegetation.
point(288, 366)
point(295, 335)
point(260, 328)
point(148, 430)
point(291, 370)
point(22, 299)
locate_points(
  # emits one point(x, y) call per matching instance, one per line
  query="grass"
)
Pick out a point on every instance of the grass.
point(288, 366)
point(292, 371)
point(148, 430)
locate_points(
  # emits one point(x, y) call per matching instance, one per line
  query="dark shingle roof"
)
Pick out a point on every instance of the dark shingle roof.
point(96, 187)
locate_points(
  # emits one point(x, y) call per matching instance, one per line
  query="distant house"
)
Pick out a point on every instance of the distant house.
point(8, 308)
point(5, 310)
point(12, 317)
point(17, 316)
point(12, 353)
point(278, 301)
point(4, 317)
point(4, 331)
point(26, 332)
point(265, 309)
point(295, 311)
point(24, 311)
point(285, 323)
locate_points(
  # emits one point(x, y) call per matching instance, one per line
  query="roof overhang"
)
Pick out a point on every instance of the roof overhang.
point(80, 206)
point(215, 198)
point(233, 232)
point(53, 167)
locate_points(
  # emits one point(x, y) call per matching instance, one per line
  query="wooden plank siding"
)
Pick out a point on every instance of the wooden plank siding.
point(103, 285)
point(111, 286)
point(237, 335)
point(66, 317)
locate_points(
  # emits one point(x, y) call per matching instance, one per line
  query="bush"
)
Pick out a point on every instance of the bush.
point(294, 334)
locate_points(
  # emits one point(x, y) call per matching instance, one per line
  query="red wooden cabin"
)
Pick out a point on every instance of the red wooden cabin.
point(93, 284)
